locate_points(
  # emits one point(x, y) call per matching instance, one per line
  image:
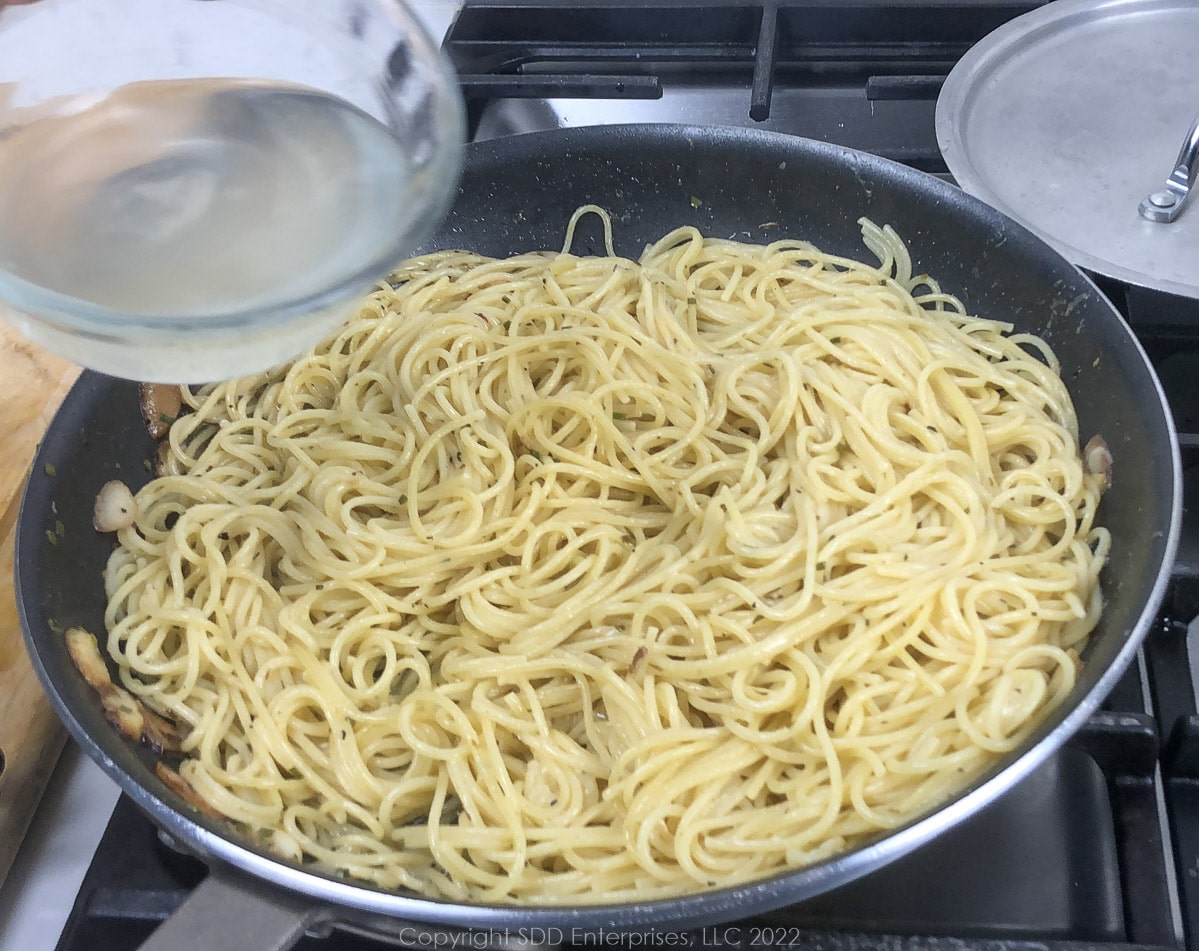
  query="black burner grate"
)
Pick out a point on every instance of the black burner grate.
point(858, 72)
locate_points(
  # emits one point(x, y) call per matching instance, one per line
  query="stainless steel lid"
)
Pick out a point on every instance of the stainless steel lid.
point(1071, 117)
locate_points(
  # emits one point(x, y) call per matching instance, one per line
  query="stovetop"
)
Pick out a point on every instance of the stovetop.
point(1100, 847)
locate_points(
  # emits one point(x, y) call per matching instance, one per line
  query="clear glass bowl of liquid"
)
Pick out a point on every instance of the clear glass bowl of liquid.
point(193, 190)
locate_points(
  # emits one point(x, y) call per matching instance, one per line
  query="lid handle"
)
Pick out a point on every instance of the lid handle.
point(1166, 204)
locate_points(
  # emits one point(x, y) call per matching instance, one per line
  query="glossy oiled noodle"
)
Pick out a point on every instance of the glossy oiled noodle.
point(574, 579)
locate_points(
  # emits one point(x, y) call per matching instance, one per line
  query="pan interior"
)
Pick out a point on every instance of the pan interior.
point(517, 195)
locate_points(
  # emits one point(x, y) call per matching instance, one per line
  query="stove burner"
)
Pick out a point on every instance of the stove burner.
point(862, 74)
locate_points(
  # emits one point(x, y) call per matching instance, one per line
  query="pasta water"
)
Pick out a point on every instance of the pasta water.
point(211, 203)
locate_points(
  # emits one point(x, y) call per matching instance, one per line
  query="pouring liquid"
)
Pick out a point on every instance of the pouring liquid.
point(199, 201)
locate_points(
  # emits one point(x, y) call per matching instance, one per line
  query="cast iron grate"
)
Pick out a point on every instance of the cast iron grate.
point(889, 58)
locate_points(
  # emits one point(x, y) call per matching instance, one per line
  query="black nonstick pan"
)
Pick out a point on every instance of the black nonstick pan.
point(517, 195)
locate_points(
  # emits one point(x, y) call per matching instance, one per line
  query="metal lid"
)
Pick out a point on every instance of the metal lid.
point(1070, 117)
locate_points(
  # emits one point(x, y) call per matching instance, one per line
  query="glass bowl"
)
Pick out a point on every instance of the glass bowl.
point(193, 190)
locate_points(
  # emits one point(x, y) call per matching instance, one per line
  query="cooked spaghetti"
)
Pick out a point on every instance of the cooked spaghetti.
point(563, 579)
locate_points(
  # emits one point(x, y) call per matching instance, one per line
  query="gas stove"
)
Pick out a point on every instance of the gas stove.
point(1099, 847)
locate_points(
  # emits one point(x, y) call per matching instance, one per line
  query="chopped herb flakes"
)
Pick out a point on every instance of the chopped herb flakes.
point(55, 534)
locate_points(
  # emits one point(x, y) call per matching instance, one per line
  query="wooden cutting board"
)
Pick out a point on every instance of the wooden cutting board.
point(32, 384)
